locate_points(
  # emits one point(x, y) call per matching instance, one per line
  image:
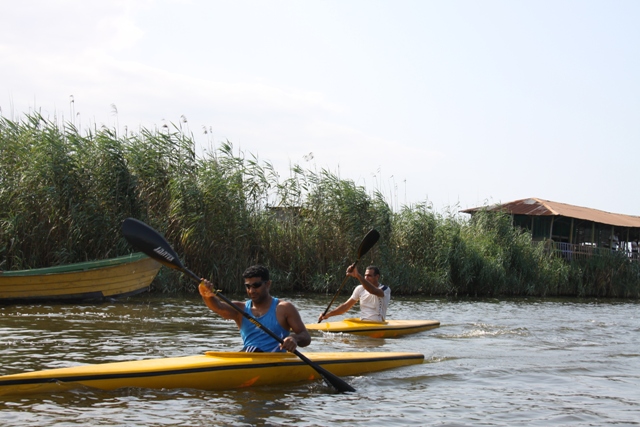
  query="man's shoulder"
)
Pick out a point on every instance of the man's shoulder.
point(358, 291)
point(286, 305)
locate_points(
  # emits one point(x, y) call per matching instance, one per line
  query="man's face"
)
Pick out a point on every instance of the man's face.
point(371, 276)
point(256, 287)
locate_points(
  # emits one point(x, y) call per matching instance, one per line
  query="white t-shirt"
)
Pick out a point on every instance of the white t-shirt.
point(372, 307)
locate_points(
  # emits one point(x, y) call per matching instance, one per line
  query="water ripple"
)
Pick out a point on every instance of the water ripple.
point(492, 363)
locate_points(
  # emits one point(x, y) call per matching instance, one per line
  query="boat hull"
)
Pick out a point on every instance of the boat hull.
point(114, 277)
point(212, 371)
point(387, 329)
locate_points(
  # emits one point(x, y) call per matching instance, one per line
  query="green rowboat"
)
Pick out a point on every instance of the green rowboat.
point(115, 277)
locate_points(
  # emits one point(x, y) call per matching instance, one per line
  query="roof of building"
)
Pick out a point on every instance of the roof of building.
point(540, 207)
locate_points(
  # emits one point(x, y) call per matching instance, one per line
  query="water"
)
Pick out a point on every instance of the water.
point(491, 363)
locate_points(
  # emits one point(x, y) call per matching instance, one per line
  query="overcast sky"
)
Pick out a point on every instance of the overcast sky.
point(456, 103)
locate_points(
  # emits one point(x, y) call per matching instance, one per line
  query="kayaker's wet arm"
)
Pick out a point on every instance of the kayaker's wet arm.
point(299, 336)
point(215, 304)
point(341, 309)
point(294, 341)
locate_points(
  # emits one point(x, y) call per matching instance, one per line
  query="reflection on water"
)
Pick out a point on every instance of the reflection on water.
point(492, 362)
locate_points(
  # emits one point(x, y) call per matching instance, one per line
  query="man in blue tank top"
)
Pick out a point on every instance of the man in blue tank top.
point(280, 317)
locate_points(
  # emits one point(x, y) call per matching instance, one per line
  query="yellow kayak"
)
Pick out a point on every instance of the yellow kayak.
point(211, 371)
point(387, 329)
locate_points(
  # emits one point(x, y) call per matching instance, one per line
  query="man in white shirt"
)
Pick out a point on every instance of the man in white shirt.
point(373, 296)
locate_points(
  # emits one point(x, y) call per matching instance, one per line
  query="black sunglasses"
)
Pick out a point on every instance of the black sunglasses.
point(255, 285)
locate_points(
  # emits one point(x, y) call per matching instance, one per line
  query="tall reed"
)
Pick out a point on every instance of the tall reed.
point(64, 194)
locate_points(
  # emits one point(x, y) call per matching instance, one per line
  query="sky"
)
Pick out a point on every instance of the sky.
point(456, 103)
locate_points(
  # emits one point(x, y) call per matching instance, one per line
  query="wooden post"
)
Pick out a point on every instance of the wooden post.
point(611, 237)
point(571, 232)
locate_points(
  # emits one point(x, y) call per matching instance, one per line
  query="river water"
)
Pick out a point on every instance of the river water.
point(526, 362)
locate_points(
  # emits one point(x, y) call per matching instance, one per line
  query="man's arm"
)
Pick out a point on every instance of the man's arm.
point(299, 336)
point(216, 305)
point(370, 288)
point(341, 309)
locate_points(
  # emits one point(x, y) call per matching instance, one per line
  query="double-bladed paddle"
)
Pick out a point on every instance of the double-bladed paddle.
point(147, 240)
point(367, 243)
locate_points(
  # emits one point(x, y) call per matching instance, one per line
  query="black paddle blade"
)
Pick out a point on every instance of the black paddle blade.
point(331, 380)
point(147, 240)
point(367, 243)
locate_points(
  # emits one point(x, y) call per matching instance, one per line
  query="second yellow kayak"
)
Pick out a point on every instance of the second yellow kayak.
point(387, 329)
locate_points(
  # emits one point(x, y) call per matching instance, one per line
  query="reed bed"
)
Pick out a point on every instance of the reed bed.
point(64, 194)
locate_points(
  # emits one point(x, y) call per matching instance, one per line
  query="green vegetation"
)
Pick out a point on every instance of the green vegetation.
point(63, 196)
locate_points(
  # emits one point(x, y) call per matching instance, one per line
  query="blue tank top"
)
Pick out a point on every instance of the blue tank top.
point(254, 338)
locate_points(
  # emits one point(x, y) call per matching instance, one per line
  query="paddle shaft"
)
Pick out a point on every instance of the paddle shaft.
point(244, 313)
point(149, 241)
point(367, 243)
point(330, 378)
point(337, 292)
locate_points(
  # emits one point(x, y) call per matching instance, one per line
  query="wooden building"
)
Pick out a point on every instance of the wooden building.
point(570, 227)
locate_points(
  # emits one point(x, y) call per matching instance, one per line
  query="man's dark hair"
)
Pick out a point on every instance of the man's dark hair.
point(256, 271)
point(376, 270)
